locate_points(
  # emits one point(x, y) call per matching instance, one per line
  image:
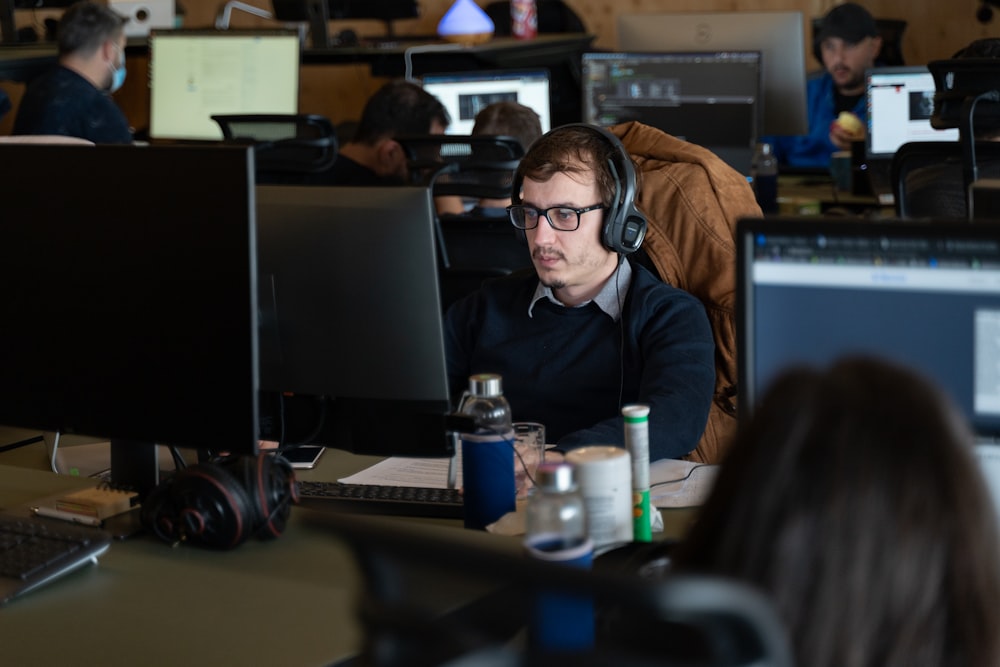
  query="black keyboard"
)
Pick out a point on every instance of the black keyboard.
point(378, 499)
point(34, 551)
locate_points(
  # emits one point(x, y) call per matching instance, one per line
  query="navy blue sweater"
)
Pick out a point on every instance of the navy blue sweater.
point(565, 367)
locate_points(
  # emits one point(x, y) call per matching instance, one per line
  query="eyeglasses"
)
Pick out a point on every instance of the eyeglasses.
point(562, 218)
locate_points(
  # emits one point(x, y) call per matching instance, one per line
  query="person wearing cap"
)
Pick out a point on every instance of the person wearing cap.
point(848, 43)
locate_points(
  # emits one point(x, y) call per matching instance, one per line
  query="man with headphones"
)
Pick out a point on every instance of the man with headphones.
point(586, 331)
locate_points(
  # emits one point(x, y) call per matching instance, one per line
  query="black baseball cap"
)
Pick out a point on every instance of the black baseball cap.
point(850, 22)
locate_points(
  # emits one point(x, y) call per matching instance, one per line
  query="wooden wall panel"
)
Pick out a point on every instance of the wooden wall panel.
point(936, 30)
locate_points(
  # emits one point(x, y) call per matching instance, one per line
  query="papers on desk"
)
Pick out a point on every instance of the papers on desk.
point(673, 483)
point(402, 471)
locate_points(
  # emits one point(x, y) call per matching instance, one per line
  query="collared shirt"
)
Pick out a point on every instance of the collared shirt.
point(609, 299)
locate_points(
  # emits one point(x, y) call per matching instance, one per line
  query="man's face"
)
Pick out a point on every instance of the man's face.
point(574, 264)
point(847, 62)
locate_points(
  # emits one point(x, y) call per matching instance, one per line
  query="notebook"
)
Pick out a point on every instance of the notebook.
point(464, 94)
point(899, 102)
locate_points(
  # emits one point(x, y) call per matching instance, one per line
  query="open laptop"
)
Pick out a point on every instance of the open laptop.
point(464, 94)
point(900, 101)
point(926, 295)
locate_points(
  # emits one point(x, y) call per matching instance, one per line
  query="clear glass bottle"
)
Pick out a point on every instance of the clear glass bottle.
point(488, 453)
point(556, 531)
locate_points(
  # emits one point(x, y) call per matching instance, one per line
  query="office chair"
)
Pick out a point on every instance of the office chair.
point(286, 146)
point(917, 154)
point(408, 569)
point(554, 16)
point(891, 31)
point(471, 248)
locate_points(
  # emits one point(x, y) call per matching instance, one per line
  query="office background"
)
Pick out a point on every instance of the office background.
point(935, 30)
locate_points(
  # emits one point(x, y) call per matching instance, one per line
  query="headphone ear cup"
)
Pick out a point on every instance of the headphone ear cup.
point(269, 481)
point(204, 504)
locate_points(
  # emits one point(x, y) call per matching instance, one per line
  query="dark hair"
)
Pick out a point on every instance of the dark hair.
point(85, 26)
point(510, 119)
point(988, 47)
point(571, 149)
point(853, 498)
point(399, 108)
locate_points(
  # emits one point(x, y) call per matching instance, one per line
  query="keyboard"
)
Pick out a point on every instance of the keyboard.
point(379, 499)
point(34, 551)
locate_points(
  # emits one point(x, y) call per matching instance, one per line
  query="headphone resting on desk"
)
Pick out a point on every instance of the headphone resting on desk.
point(221, 504)
point(624, 224)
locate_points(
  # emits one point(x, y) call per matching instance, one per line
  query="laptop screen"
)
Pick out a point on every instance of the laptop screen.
point(900, 103)
point(464, 94)
point(194, 74)
point(922, 294)
point(709, 99)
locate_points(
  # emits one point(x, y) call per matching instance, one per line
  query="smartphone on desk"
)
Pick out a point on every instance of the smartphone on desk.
point(304, 457)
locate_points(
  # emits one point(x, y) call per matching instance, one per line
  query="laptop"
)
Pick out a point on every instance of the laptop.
point(465, 94)
point(900, 102)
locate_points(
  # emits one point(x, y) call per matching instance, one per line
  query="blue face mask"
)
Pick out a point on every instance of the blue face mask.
point(117, 76)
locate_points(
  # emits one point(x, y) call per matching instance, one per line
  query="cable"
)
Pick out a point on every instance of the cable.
point(55, 448)
point(679, 479)
point(423, 48)
point(621, 331)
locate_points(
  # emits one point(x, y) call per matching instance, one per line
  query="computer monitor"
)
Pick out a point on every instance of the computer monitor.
point(900, 105)
point(196, 73)
point(131, 308)
point(318, 12)
point(923, 294)
point(777, 35)
point(351, 319)
point(465, 94)
point(710, 99)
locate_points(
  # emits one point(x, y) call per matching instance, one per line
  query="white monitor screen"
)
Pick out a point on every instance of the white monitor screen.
point(778, 36)
point(900, 103)
point(464, 94)
point(194, 74)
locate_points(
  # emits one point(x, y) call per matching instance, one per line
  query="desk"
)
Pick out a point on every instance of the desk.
point(284, 602)
point(821, 189)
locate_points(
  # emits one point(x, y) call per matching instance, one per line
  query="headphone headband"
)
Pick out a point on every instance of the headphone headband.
point(624, 225)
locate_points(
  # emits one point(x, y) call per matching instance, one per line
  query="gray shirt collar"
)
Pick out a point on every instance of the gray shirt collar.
point(609, 299)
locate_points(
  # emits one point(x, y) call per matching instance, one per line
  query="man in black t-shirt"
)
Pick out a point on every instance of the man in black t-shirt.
point(74, 98)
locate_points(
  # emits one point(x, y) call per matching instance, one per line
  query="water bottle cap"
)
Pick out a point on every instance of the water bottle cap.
point(559, 477)
point(486, 385)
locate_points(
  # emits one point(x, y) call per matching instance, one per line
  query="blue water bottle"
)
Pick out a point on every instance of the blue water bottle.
point(556, 532)
point(487, 453)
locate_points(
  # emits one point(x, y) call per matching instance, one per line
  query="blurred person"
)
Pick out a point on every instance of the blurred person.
point(853, 498)
point(848, 44)
point(373, 156)
point(74, 97)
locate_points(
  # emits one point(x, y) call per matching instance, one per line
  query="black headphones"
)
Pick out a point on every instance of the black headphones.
point(221, 504)
point(624, 225)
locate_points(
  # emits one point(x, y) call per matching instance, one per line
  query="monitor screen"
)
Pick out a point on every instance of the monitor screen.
point(778, 36)
point(926, 295)
point(131, 308)
point(386, 10)
point(900, 104)
point(710, 99)
point(194, 74)
point(352, 316)
point(464, 94)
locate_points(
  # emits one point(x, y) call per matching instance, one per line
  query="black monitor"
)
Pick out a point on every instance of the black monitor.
point(318, 12)
point(130, 303)
point(709, 99)
point(351, 319)
point(777, 35)
point(923, 294)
